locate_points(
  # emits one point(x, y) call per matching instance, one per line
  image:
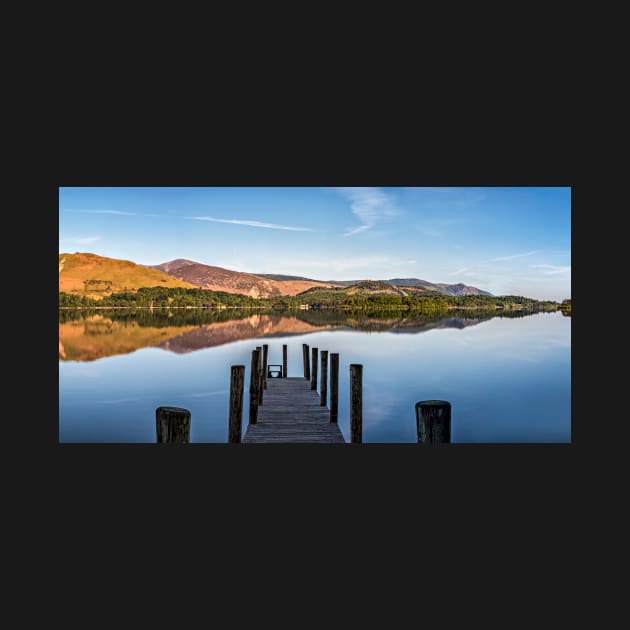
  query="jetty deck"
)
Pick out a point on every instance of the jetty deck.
point(291, 412)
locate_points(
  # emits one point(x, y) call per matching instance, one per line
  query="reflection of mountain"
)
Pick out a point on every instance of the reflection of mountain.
point(88, 336)
point(96, 337)
point(417, 326)
point(249, 328)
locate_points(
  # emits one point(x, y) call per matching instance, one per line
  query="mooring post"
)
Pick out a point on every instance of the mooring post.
point(237, 378)
point(356, 403)
point(265, 353)
point(433, 421)
point(253, 387)
point(323, 387)
point(172, 425)
point(285, 362)
point(260, 375)
point(305, 357)
point(334, 386)
point(314, 368)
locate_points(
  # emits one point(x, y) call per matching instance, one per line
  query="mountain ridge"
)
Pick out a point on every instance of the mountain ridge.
point(96, 276)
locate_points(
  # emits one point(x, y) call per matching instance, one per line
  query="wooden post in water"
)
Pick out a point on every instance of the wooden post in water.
point(314, 369)
point(253, 387)
point(334, 386)
point(305, 357)
point(172, 425)
point(265, 353)
point(323, 387)
point(260, 375)
point(284, 360)
point(356, 403)
point(237, 378)
point(433, 421)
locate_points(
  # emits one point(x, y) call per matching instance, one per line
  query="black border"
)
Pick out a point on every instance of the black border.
point(304, 485)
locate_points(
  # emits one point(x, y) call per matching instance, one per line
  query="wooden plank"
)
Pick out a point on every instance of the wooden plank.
point(292, 413)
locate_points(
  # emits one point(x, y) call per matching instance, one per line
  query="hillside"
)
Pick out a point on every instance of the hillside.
point(461, 289)
point(446, 289)
point(173, 265)
point(97, 276)
point(220, 279)
point(374, 287)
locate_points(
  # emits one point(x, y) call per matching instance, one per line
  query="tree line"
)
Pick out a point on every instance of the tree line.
point(334, 299)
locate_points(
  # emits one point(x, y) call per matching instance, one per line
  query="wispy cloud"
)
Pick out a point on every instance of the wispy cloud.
point(552, 270)
point(257, 224)
point(81, 240)
point(369, 205)
point(458, 271)
point(103, 212)
point(492, 260)
point(379, 265)
point(535, 251)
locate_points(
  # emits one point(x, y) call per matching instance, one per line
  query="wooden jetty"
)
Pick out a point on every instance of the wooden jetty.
point(292, 412)
point(289, 409)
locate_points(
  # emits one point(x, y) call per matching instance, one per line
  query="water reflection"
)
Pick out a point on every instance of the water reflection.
point(86, 335)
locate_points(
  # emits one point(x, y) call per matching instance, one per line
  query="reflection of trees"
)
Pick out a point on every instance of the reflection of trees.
point(157, 318)
point(92, 334)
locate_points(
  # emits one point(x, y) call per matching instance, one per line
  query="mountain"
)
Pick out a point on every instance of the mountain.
point(415, 286)
point(374, 287)
point(97, 276)
point(173, 265)
point(461, 289)
point(411, 282)
point(282, 278)
point(220, 279)
point(447, 289)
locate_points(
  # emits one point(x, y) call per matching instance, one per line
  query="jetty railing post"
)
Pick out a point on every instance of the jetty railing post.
point(237, 378)
point(323, 388)
point(433, 421)
point(285, 362)
point(253, 387)
point(334, 386)
point(265, 353)
point(305, 357)
point(172, 425)
point(260, 375)
point(314, 369)
point(356, 403)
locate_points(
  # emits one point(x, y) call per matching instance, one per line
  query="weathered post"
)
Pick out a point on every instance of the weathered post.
point(260, 375)
point(433, 421)
point(314, 368)
point(253, 387)
point(285, 362)
point(265, 353)
point(356, 403)
point(334, 386)
point(305, 357)
point(237, 378)
point(172, 425)
point(323, 387)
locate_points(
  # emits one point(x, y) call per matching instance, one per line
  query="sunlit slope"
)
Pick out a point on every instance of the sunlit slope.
point(97, 276)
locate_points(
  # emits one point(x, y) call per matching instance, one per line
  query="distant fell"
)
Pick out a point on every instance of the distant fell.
point(220, 279)
point(173, 265)
point(97, 276)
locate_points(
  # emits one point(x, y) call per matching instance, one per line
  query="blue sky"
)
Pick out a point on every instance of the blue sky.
point(503, 240)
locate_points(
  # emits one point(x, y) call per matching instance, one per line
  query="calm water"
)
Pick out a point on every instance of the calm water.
point(508, 378)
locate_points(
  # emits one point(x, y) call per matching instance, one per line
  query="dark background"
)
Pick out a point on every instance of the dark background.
point(449, 515)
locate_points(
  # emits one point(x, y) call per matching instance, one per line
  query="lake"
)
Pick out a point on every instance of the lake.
point(508, 378)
